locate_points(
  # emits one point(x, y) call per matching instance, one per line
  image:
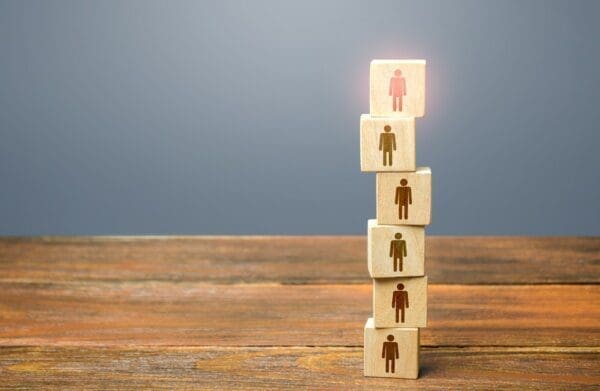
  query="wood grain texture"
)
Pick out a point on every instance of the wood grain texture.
point(290, 368)
point(288, 312)
point(165, 313)
point(296, 260)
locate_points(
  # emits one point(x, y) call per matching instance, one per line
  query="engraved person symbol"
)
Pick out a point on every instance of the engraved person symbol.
point(397, 90)
point(390, 352)
point(398, 251)
point(387, 144)
point(403, 198)
point(400, 302)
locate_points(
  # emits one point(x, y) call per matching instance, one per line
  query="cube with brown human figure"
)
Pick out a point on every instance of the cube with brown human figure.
point(395, 250)
point(404, 198)
point(392, 352)
point(400, 302)
point(387, 144)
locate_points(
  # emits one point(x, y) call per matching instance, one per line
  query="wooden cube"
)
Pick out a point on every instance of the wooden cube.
point(400, 302)
point(404, 198)
point(397, 88)
point(391, 352)
point(387, 144)
point(395, 250)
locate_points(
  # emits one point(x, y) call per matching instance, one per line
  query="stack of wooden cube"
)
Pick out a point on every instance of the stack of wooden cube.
point(396, 239)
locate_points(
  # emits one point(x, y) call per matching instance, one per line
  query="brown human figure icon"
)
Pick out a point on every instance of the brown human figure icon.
point(398, 251)
point(390, 352)
point(397, 90)
point(387, 144)
point(403, 198)
point(400, 302)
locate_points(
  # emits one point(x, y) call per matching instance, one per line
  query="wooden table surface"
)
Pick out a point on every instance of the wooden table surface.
point(288, 312)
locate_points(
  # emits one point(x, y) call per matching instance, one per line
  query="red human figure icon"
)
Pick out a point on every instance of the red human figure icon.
point(397, 89)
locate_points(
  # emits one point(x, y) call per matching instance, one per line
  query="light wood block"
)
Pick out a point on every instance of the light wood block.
point(400, 302)
point(404, 198)
point(395, 250)
point(391, 352)
point(397, 88)
point(387, 144)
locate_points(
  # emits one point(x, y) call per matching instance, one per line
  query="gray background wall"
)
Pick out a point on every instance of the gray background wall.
point(164, 117)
